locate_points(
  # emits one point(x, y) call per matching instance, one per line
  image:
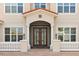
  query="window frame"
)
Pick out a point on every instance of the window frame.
point(13, 34)
point(10, 4)
point(69, 9)
point(57, 7)
point(66, 6)
point(68, 34)
point(46, 5)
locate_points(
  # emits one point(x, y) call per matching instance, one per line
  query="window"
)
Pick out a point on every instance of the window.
point(13, 34)
point(20, 7)
point(72, 8)
point(7, 8)
point(66, 7)
point(67, 34)
point(60, 8)
point(7, 34)
point(13, 7)
point(40, 5)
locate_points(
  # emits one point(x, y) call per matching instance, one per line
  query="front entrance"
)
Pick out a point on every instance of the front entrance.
point(40, 35)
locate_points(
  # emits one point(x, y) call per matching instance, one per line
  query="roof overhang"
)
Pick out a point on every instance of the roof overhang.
point(40, 10)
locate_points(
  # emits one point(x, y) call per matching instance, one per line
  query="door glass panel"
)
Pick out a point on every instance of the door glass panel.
point(43, 36)
point(36, 36)
point(39, 37)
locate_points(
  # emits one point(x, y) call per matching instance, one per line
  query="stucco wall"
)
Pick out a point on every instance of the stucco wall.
point(15, 20)
point(67, 21)
point(2, 12)
point(27, 7)
point(1, 33)
point(34, 16)
point(53, 7)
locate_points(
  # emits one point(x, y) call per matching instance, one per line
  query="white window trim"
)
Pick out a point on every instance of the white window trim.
point(10, 32)
point(13, 13)
point(69, 10)
point(40, 4)
point(69, 27)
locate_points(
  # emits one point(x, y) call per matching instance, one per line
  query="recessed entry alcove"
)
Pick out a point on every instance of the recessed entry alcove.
point(40, 34)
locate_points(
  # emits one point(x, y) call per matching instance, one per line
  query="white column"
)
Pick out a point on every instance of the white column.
point(51, 46)
point(27, 36)
point(56, 45)
point(23, 46)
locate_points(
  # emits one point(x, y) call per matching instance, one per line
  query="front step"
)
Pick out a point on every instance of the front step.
point(40, 50)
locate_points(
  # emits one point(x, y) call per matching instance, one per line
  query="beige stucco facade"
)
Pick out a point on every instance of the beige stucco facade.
point(24, 20)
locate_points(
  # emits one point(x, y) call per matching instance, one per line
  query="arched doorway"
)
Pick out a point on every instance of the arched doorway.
point(40, 34)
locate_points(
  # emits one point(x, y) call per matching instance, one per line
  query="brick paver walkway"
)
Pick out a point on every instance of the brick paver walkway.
point(39, 52)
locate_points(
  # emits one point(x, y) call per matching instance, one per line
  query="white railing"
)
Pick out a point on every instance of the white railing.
point(15, 46)
point(69, 46)
point(9, 46)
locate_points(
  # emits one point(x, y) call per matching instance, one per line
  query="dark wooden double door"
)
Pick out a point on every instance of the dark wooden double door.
point(40, 37)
